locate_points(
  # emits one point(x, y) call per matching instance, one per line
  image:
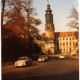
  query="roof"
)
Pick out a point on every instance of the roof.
point(43, 35)
point(61, 34)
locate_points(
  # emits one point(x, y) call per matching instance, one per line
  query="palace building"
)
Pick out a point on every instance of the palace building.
point(53, 42)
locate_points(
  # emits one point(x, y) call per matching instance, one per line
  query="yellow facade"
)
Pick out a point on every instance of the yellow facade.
point(67, 44)
point(50, 33)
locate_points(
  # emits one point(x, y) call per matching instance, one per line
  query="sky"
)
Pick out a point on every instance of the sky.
point(60, 9)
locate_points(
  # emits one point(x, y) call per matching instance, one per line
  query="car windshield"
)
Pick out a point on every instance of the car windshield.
point(22, 58)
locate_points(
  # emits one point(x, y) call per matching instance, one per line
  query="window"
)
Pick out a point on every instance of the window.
point(69, 49)
point(64, 49)
point(60, 38)
point(60, 44)
point(70, 43)
point(67, 43)
point(73, 43)
point(63, 44)
point(76, 43)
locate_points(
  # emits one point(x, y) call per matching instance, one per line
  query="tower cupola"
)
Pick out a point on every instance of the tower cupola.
point(49, 15)
point(48, 9)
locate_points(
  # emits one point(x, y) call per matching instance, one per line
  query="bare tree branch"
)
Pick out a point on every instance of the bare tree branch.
point(74, 16)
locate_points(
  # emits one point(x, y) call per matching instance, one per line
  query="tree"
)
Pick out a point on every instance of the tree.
point(16, 41)
point(24, 12)
point(22, 8)
point(74, 16)
point(74, 23)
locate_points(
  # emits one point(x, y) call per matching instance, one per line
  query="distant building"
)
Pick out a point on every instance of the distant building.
point(53, 42)
point(66, 41)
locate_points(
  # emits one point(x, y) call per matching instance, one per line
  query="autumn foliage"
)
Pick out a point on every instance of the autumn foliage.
point(16, 41)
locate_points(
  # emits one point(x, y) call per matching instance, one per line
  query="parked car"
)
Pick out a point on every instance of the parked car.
point(73, 54)
point(61, 56)
point(23, 61)
point(43, 58)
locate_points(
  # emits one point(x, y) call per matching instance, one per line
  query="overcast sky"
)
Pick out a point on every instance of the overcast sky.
point(60, 9)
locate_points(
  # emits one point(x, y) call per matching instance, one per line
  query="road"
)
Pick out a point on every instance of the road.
point(54, 69)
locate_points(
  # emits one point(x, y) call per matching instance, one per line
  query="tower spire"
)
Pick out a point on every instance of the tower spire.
point(48, 2)
point(48, 7)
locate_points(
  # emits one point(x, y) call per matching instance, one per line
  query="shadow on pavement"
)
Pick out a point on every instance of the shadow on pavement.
point(34, 64)
point(8, 69)
point(71, 76)
point(57, 58)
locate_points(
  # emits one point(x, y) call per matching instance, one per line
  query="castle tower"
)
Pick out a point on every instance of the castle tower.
point(49, 26)
point(49, 29)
